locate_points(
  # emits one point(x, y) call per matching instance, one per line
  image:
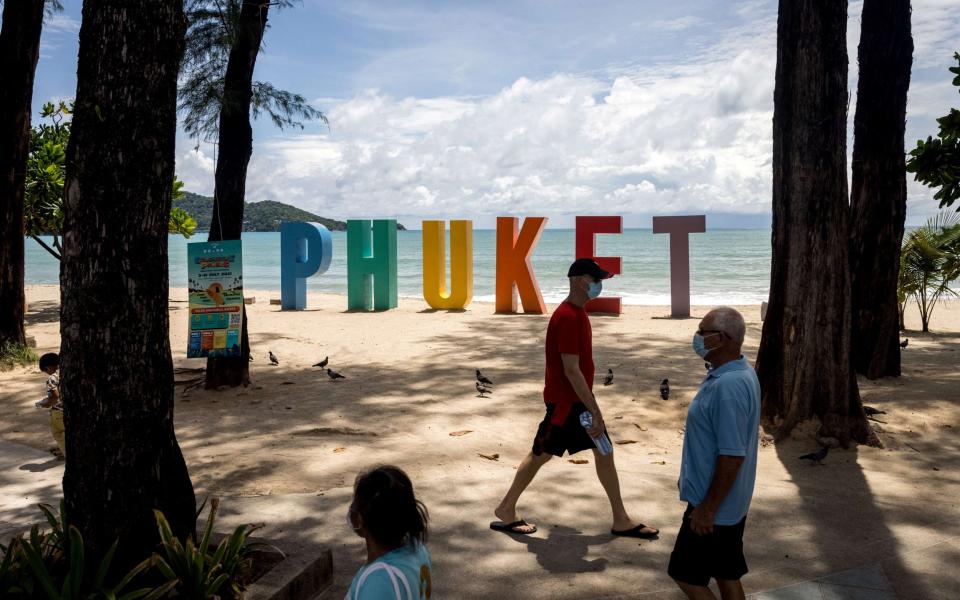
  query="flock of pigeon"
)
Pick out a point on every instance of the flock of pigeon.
point(333, 375)
point(484, 388)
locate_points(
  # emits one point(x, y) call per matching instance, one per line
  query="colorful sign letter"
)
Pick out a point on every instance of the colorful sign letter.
point(305, 249)
point(371, 255)
point(586, 247)
point(461, 264)
point(514, 270)
point(215, 284)
point(679, 229)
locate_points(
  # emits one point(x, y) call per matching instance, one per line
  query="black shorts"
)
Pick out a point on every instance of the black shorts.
point(698, 558)
point(570, 437)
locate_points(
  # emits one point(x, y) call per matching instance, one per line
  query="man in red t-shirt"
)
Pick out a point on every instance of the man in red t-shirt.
point(567, 393)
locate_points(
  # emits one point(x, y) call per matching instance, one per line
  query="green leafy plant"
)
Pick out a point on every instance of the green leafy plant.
point(75, 584)
point(181, 222)
point(51, 564)
point(936, 161)
point(201, 571)
point(929, 263)
point(46, 170)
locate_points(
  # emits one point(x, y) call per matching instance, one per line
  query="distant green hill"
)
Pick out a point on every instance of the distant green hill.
point(257, 216)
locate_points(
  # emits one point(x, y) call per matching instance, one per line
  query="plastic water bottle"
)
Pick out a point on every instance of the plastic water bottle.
point(602, 442)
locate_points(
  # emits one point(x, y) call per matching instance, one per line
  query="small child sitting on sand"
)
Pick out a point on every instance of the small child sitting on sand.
point(49, 364)
point(388, 516)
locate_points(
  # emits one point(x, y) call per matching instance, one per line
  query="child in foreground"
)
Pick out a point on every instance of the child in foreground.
point(393, 522)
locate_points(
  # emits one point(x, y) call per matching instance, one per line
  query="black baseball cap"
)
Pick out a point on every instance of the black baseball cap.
point(588, 266)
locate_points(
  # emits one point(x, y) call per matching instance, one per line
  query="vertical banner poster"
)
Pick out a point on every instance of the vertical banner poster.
point(215, 275)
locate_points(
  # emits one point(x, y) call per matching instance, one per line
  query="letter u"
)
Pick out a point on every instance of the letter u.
point(461, 265)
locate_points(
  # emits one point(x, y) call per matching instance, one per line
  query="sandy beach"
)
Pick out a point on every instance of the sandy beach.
point(294, 434)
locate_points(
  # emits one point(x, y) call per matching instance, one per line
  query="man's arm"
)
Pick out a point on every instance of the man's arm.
point(702, 517)
point(571, 368)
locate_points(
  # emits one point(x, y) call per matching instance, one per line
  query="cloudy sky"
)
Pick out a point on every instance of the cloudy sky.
point(464, 109)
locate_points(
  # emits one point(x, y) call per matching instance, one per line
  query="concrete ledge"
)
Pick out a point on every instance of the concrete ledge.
point(275, 301)
point(304, 574)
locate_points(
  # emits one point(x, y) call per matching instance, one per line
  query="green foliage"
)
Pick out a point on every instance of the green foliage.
point(936, 162)
point(177, 188)
point(52, 565)
point(21, 354)
point(46, 169)
point(181, 222)
point(929, 262)
point(211, 33)
point(199, 570)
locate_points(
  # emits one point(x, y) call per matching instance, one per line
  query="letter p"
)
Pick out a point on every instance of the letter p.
point(305, 249)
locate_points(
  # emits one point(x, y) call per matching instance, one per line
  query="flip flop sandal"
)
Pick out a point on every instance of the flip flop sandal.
point(512, 527)
point(637, 532)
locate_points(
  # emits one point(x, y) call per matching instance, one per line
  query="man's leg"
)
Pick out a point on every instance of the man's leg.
point(730, 589)
point(607, 474)
point(507, 510)
point(697, 592)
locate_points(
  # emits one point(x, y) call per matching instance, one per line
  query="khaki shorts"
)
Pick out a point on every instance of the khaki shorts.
point(57, 429)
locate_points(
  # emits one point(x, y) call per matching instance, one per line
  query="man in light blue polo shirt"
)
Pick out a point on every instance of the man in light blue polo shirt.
point(719, 463)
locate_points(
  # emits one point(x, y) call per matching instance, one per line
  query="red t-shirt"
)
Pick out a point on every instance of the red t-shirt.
point(568, 333)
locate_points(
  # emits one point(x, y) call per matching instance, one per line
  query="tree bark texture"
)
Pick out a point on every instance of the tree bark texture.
point(878, 199)
point(233, 157)
point(804, 361)
point(20, 49)
point(123, 459)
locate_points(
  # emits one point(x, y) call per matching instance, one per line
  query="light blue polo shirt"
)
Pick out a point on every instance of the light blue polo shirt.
point(723, 418)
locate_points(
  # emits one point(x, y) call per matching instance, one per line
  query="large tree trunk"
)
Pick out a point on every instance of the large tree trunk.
point(233, 156)
point(804, 361)
point(878, 200)
point(20, 49)
point(123, 459)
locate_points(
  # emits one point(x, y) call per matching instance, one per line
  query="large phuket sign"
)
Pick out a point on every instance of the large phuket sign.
point(215, 283)
point(306, 248)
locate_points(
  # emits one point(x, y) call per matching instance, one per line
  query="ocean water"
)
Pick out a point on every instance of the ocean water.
point(727, 266)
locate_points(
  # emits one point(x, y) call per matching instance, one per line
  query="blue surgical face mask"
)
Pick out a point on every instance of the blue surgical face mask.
point(594, 290)
point(700, 345)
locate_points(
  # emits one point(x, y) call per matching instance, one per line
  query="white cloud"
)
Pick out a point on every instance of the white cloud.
point(195, 168)
point(675, 24)
point(60, 23)
point(630, 139)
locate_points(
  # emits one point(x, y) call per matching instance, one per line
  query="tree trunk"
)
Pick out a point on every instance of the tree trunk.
point(804, 361)
point(878, 202)
point(123, 459)
point(233, 156)
point(20, 49)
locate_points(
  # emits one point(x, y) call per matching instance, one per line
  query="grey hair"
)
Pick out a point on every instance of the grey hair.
point(729, 321)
